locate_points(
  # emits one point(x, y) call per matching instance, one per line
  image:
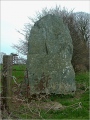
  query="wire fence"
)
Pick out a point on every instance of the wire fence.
point(13, 77)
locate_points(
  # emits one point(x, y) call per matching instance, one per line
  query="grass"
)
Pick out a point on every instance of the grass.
point(82, 77)
point(19, 72)
point(82, 80)
point(20, 111)
point(70, 113)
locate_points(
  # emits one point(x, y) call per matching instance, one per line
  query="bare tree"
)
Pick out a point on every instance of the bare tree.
point(83, 25)
point(78, 24)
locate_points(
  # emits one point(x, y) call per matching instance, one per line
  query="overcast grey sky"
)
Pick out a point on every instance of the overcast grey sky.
point(14, 14)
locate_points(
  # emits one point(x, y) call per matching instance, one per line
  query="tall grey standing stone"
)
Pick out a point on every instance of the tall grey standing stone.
point(49, 57)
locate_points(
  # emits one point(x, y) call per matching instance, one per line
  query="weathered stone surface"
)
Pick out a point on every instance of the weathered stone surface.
point(49, 57)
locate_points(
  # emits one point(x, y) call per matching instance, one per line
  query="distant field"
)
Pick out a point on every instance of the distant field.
point(19, 72)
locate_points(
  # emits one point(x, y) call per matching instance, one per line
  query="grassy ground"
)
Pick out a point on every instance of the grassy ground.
point(81, 96)
point(18, 72)
point(76, 106)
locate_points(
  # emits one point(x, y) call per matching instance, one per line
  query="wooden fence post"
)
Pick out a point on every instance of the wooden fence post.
point(7, 82)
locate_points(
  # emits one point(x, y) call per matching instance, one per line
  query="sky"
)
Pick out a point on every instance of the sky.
point(14, 15)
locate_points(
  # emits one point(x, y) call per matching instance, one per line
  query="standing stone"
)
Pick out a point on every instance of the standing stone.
point(49, 57)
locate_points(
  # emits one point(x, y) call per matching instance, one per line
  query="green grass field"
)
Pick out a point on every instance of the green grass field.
point(81, 95)
point(19, 72)
point(20, 111)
